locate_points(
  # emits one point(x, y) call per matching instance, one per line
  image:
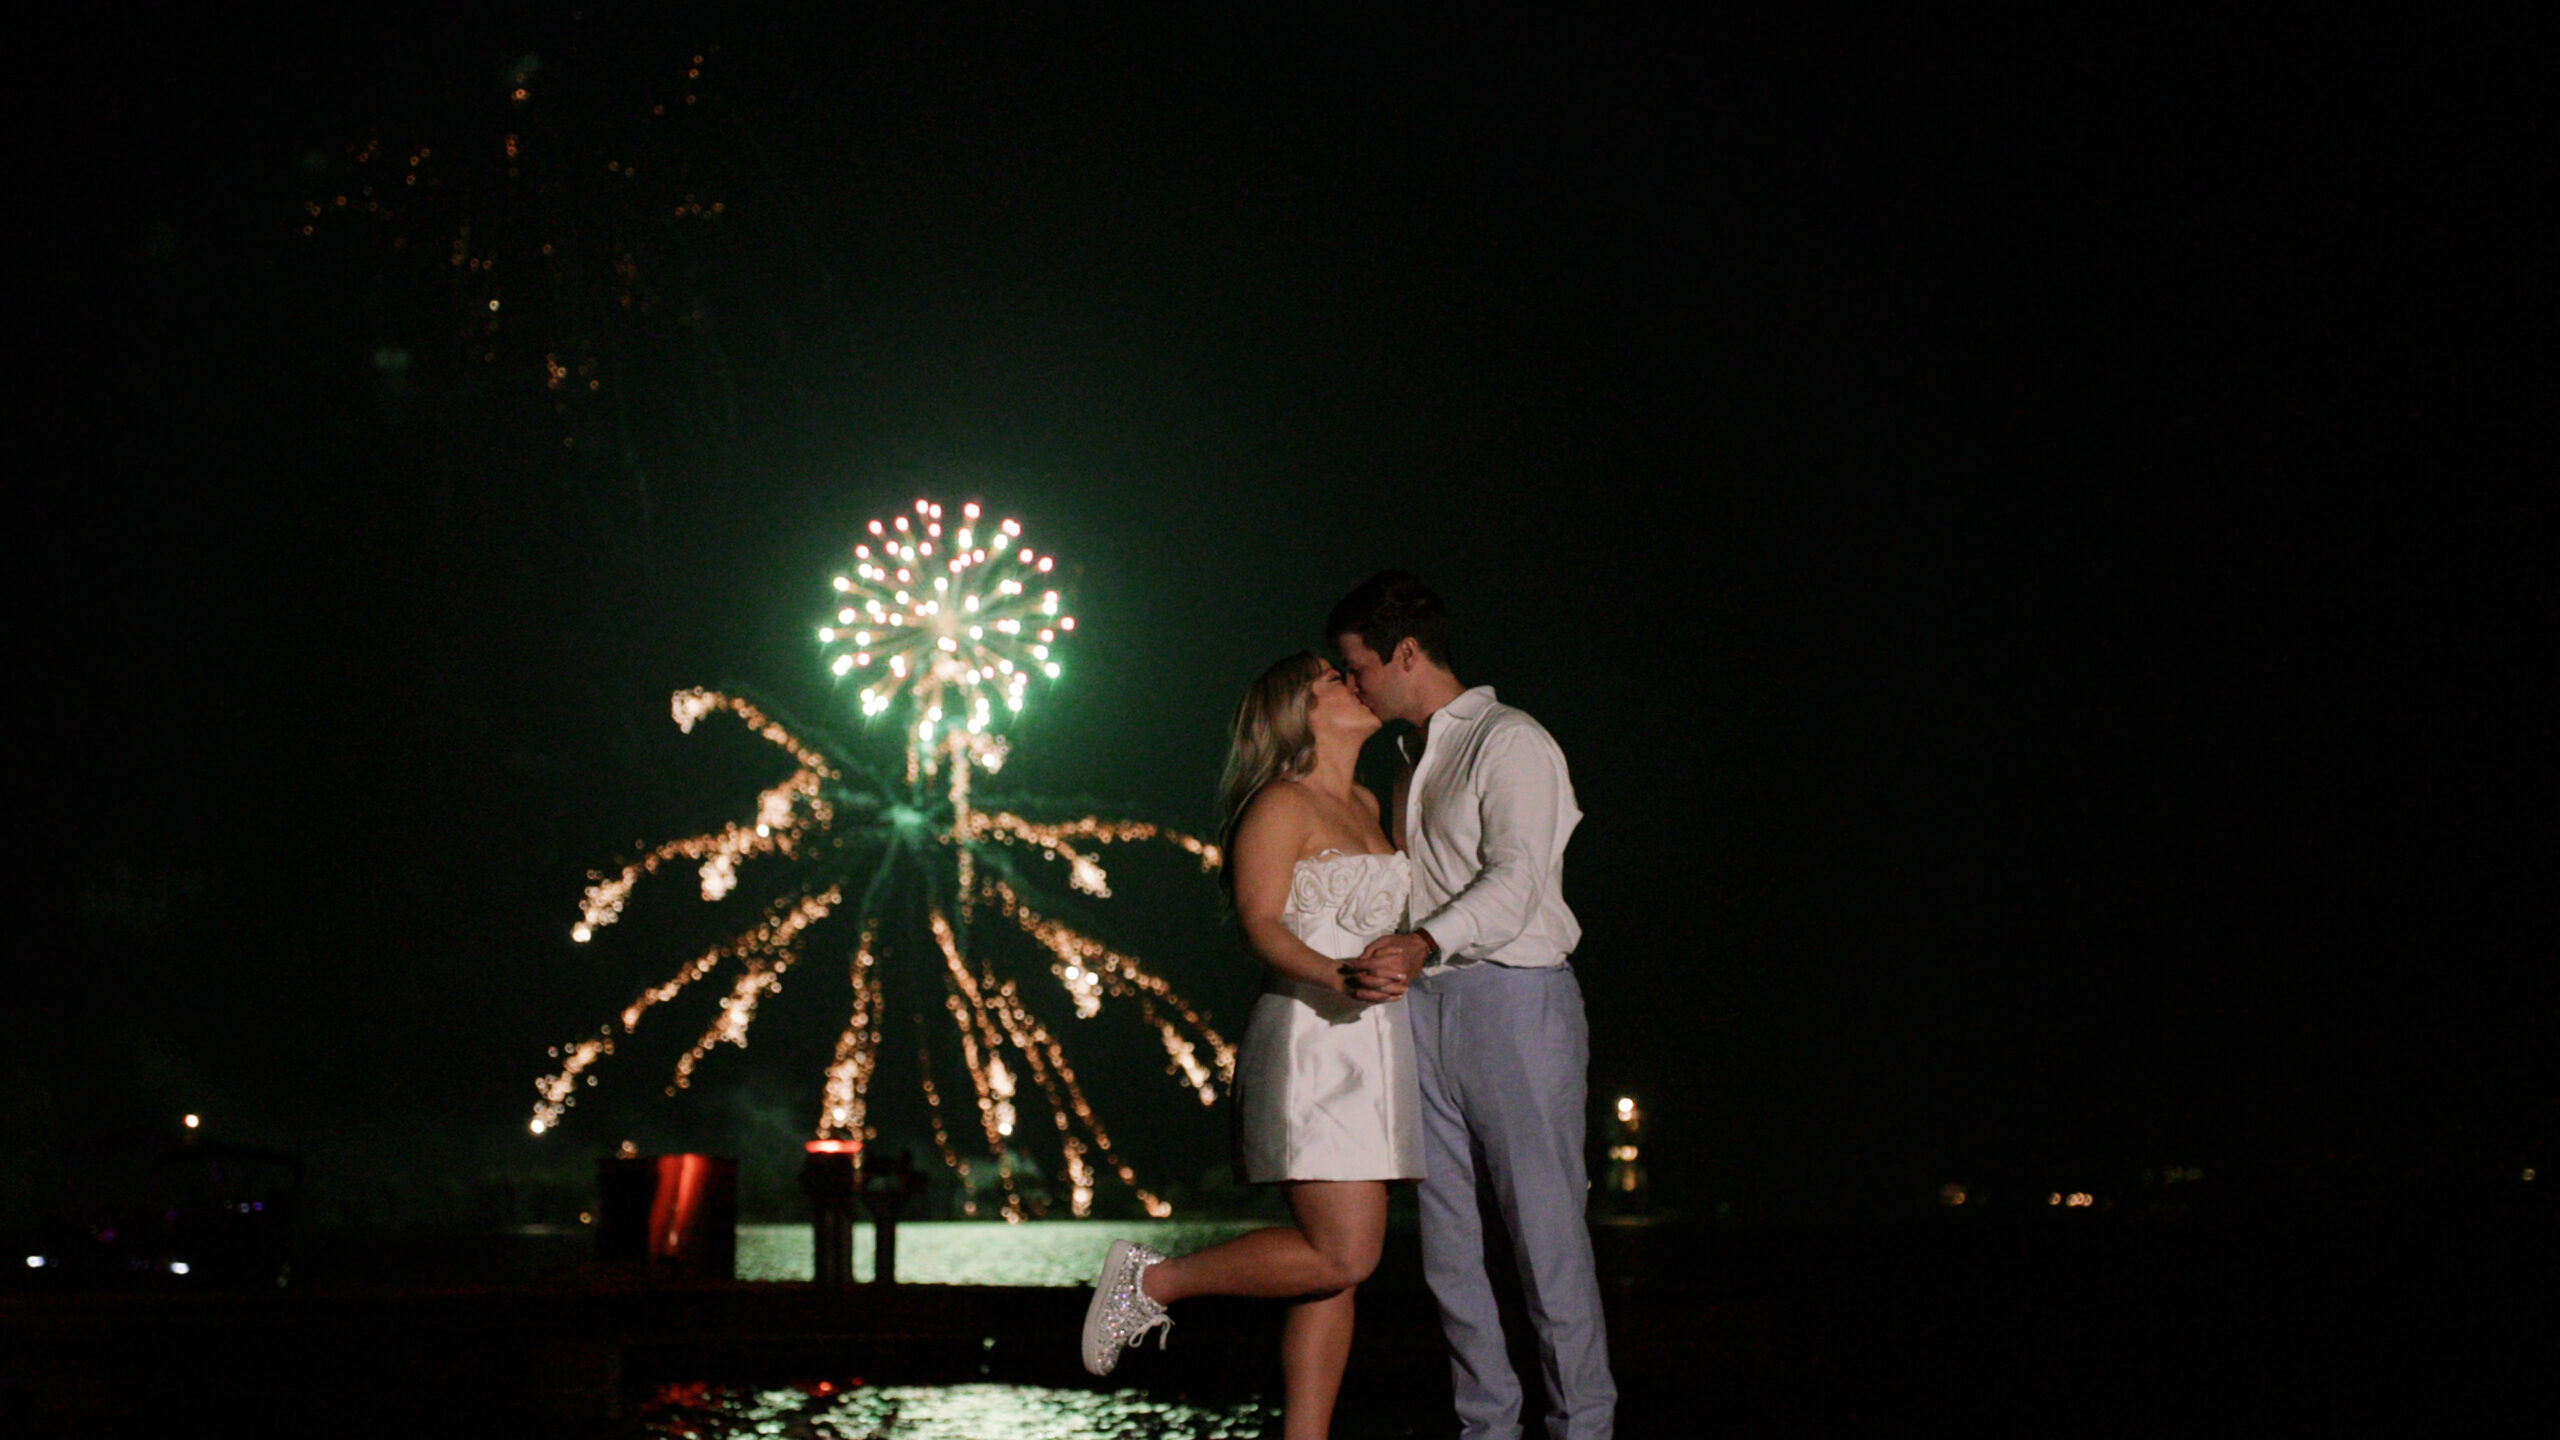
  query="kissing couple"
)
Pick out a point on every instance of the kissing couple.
point(1419, 1022)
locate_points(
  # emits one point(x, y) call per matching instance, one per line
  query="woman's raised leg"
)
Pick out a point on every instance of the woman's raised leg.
point(1342, 1225)
point(1317, 1264)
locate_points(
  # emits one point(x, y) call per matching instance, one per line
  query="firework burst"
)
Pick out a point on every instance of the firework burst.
point(965, 616)
point(943, 629)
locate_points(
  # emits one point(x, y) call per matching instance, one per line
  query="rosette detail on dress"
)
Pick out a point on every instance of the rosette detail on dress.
point(1362, 895)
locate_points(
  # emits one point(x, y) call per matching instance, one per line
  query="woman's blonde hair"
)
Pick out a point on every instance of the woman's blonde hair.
point(1270, 739)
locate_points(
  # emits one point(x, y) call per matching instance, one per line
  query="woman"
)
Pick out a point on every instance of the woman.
point(1325, 1088)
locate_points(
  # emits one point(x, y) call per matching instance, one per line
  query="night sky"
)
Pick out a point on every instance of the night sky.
point(2021, 536)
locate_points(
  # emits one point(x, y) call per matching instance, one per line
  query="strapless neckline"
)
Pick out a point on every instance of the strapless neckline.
point(1329, 856)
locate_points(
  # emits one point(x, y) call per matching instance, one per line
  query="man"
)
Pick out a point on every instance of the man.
point(1483, 810)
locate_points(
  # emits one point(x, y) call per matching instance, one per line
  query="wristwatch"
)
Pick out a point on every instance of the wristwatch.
point(1430, 947)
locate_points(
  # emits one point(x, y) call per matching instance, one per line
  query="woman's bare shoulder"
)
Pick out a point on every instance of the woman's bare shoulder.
point(1281, 807)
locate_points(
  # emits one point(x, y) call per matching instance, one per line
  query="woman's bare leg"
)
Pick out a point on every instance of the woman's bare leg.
point(1342, 1225)
point(1319, 1262)
point(1315, 1348)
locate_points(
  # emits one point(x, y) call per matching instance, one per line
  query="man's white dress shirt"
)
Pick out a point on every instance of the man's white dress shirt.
point(1487, 813)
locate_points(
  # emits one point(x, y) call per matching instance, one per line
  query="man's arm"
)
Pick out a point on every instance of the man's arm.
point(1522, 796)
point(1522, 799)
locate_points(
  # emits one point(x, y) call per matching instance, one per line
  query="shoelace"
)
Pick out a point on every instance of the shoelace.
point(1160, 1322)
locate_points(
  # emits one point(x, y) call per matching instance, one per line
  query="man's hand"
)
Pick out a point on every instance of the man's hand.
point(1385, 970)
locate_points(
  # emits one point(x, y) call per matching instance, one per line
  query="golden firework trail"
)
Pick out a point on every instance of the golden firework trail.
point(944, 627)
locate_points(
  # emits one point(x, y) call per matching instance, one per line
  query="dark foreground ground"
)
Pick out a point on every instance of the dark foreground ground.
point(2063, 1328)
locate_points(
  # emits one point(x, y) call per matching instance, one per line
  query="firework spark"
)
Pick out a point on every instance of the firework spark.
point(945, 628)
point(960, 618)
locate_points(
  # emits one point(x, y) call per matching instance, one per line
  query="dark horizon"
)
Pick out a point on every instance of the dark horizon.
point(2019, 538)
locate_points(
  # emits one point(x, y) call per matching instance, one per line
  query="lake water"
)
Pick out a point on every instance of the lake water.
point(1054, 1253)
point(945, 1252)
point(945, 1412)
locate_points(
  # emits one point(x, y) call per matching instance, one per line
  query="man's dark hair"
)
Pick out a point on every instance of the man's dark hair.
point(1389, 608)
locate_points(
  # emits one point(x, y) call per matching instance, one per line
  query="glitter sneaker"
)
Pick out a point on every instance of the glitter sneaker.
point(1121, 1314)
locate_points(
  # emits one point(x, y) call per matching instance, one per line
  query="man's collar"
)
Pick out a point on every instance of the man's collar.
point(1470, 705)
point(1467, 705)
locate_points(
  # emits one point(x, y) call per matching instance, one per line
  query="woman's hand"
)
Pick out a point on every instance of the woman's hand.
point(1386, 969)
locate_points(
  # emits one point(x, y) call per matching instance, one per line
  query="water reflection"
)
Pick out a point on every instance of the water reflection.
point(943, 1412)
point(965, 1252)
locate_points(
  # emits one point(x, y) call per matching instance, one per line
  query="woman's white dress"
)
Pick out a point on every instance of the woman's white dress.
point(1325, 1086)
